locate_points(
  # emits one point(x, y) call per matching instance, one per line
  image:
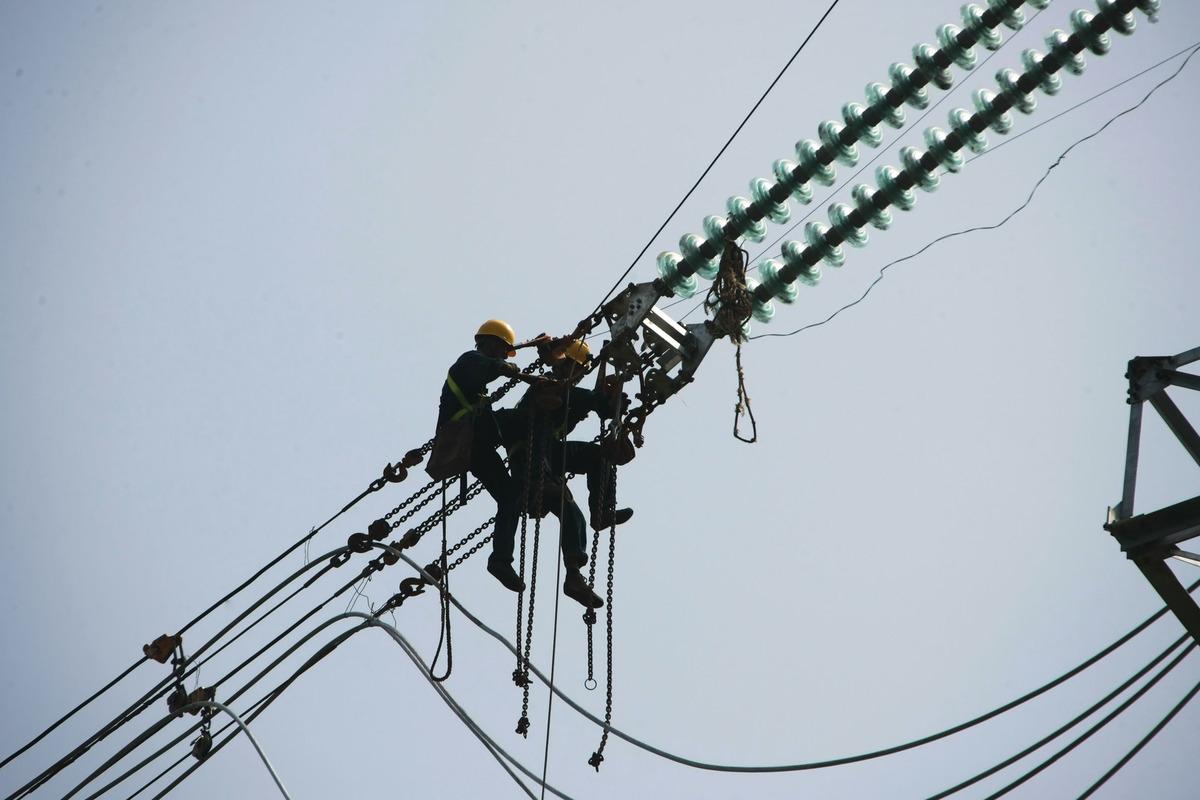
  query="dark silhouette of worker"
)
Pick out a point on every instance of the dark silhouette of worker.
point(468, 433)
point(553, 410)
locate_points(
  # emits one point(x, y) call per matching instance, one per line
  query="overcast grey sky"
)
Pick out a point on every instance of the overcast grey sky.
point(240, 244)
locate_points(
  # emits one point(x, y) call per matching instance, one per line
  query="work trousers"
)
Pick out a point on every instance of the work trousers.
point(488, 468)
point(585, 458)
point(572, 524)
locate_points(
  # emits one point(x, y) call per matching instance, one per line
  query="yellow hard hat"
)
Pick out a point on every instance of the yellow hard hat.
point(501, 330)
point(578, 351)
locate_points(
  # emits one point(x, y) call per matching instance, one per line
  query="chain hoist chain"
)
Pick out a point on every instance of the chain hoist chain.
point(518, 675)
point(411, 499)
point(474, 548)
point(538, 498)
point(598, 756)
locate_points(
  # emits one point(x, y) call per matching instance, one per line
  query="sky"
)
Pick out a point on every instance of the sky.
point(241, 243)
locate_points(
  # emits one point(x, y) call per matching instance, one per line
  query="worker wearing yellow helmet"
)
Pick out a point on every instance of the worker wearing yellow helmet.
point(553, 410)
point(568, 364)
point(468, 434)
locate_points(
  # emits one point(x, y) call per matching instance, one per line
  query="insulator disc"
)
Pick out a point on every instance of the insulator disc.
point(960, 123)
point(1048, 83)
point(714, 230)
point(785, 291)
point(985, 102)
point(762, 310)
point(839, 215)
point(689, 245)
point(1150, 8)
point(1012, 17)
point(739, 210)
point(814, 234)
point(973, 19)
point(886, 177)
point(947, 37)
point(760, 193)
point(877, 98)
point(1121, 23)
point(668, 267)
point(1057, 45)
point(926, 178)
point(924, 55)
point(935, 140)
point(830, 132)
point(806, 151)
point(784, 171)
point(871, 135)
point(1081, 23)
point(793, 254)
point(864, 201)
point(1040, 5)
point(1007, 78)
point(901, 75)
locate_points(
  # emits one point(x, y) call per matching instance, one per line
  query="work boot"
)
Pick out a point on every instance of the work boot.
point(503, 571)
point(603, 519)
point(576, 588)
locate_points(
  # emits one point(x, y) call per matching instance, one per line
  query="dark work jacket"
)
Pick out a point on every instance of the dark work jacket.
point(515, 421)
point(473, 371)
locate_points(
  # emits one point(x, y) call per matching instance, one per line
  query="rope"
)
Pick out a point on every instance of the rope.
point(444, 629)
point(731, 305)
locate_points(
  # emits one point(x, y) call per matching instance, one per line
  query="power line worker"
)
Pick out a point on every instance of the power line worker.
point(468, 433)
point(543, 407)
point(567, 364)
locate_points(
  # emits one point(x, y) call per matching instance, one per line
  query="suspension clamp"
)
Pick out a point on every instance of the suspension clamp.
point(359, 543)
point(379, 530)
point(202, 745)
point(161, 648)
point(595, 760)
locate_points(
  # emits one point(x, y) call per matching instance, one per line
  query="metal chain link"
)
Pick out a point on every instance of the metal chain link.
point(523, 722)
point(598, 756)
point(518, 674)
point(474, 548)
point(409, 501)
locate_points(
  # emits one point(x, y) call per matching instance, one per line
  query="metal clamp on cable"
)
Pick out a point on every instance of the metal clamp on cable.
point(359, 543)
point(161, 648)
point(595, 760)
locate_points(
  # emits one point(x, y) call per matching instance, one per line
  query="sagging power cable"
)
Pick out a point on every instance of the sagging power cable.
point(833, 762)
point(1142, 743)
point(1109, 697)
point(1116, 712)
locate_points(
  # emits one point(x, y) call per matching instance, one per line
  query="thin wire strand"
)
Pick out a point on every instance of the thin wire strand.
point(1029, 199)
point(720, 153)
